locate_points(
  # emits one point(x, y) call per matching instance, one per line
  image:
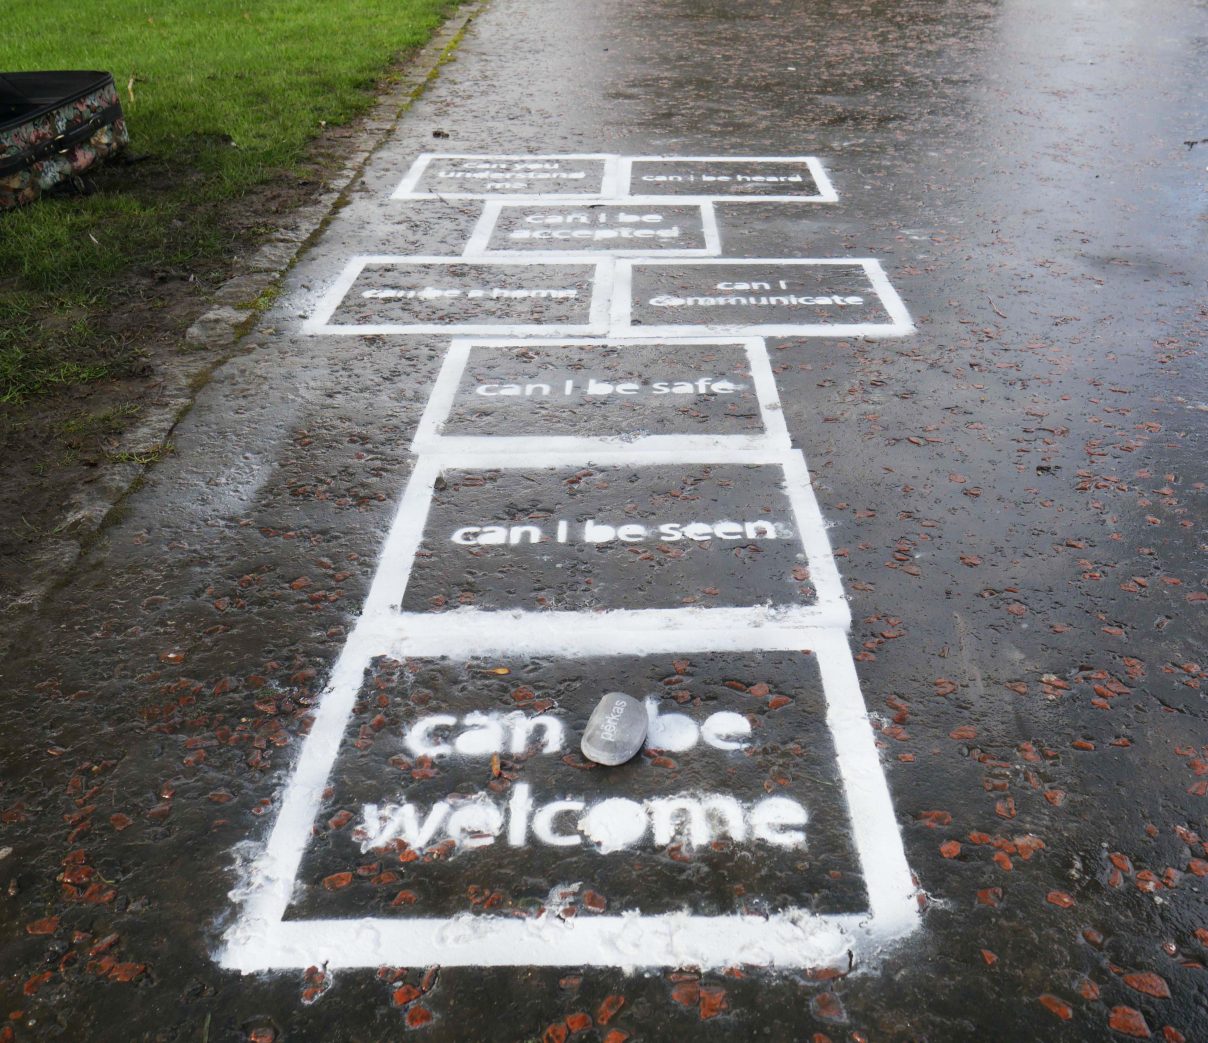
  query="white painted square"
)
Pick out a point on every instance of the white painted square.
point(320, 319)
point(825, 190)
point(465, 630)
point(899, 324)
point(409, 187)
point(429, 436)
point(479, 244)
point(794, 938)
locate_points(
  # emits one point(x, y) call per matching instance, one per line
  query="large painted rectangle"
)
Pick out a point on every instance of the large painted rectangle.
point(388, 294)
point(576, 395)
point(336, 889)
point(459, 790)
point(586, 537)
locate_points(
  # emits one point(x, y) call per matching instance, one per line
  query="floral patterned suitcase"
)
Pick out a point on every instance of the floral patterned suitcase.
point(53, 126)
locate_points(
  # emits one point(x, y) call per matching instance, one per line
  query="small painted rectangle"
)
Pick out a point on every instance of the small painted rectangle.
point(729, 178)
point(595, 537)
point(452, 294)
point(620, 229)
point(459, 790)
point(458, 176)
point(783, 297)
point(632, 395)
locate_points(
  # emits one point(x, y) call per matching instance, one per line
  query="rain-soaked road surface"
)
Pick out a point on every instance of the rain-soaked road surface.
point(294, 755)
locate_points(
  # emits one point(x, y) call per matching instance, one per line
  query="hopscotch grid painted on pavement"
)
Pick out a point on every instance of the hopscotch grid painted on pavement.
point(262, 937)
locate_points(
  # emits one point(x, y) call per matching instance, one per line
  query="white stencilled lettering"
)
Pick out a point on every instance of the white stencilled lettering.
point(482, 734)
point(597, 387)
point(611, 825)
point(595, 532)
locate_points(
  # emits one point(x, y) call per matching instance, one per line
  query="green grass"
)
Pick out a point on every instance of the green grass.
point(225, 97)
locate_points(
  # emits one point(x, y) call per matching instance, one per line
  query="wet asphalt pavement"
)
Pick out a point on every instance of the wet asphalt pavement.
point(1008, 501)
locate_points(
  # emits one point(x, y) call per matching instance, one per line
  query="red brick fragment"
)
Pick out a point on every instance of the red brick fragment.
point(1129, 1022)
point(616, 1036)
point(1058, 1007)
point(990, 896)
point(404, 994)
point(828, 1007)
point(417, 1017)
point(337, 881)
point(950, 848)
point(1060, 899)
point(578, 1021)
point(933, 819)
point(965, 731)
point(1173, 1035)
point(47, 925)
point(104, 945)
point(990, 958)
point(126, 971)
point(712, 1001)
point(1149, 983)
point(608, 1008)
point(1028, 845)
point(687, 994)
point(555, 1033)
point(1147, 882)
point(120, 821)
point(1088, 990)
point(99, 894)
point(31, 987)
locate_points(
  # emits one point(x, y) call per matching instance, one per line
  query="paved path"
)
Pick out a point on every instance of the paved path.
point(824, 377)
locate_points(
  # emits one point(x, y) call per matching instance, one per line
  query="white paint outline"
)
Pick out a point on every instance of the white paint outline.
point(262, 940)
point(826, 190)
point(480, 238)
point(900, 324)
point(429, 436)
point(608, 182)
point(319, 321)
point(615, 185)
point(506, 629)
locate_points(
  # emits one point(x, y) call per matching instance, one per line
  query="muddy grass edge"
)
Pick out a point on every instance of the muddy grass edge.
point(234, 309)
